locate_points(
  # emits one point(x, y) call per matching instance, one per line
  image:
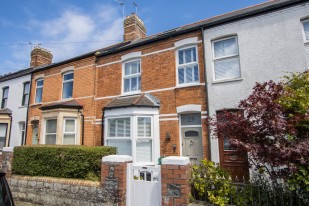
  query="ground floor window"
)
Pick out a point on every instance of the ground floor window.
point(132, 136)
point(22, 127)
point(51, 131)
point(3, 134)
point(69, 131)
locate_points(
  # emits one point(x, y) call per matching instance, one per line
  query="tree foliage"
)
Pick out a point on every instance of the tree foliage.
point(273, 127)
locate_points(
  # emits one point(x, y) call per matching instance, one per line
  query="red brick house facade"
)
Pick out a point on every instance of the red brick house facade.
point(146, 96)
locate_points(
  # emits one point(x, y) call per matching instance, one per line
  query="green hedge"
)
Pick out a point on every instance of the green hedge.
point(80, 162)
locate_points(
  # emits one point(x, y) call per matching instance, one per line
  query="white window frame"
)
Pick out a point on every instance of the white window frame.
point(187, 64)
point(23, 104)
point(131, 76)
point(6, 99)
point(75, 129)
point(303, 31)
point(45, 128)
point(133, 136)
point(66, 81)
point(22, 127)
point(214, 59)
point(38, 87)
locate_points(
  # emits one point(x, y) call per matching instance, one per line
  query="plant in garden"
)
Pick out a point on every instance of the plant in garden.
point(274, 127)
point(212, 182)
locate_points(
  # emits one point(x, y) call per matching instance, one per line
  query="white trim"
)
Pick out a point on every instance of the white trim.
point(117, 158)
point(39, 76)
point(63, 129)
point(175, 160)
point(66, 81)
point(45, 125)
point(131, 55)
point(67, 69)
point(130, 76)
point(204, 117)
point(8, 149)
point(185, 42)
point(167, 115)
point(36, 87)
point(189, 108)
point(168, 119)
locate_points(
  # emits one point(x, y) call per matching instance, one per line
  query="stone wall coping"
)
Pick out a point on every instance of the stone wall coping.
point(68, 181)
point(117, 158)
point(8, 149)
point(175, 160)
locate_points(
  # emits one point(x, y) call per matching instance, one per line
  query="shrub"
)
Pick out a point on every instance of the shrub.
point(80, 162)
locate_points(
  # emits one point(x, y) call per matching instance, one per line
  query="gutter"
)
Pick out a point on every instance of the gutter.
point(207, 98)
point(83, 128)
point(26, 126)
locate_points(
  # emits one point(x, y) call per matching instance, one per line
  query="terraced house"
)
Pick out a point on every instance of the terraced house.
point(146, 96)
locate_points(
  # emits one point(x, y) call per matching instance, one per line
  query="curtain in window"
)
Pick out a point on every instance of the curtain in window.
point(51, 130)
point(144, 150)
point(69, 131)
point(228, 68)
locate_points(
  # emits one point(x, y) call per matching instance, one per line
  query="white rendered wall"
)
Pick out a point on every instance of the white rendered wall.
point(269, 46)
point(19, 113)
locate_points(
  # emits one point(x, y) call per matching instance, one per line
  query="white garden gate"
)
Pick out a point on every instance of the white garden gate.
point(143, 185)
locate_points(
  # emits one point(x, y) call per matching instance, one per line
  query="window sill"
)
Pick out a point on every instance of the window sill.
point(130, 93)
point(226, 80)
point(36, 104)
point(188, 85)
point(25, 106)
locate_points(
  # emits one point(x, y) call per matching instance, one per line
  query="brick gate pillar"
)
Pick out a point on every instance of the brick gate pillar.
point(176, 173)
point(114, 177)
point(6, 160)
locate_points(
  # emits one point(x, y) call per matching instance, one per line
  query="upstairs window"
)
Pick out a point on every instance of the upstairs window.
point(132, 76)
point(5, 94)
point(39, 90)
point(306, 30)
point(226, 59)
point(188, 71)
point(26, 94)
point(67, 87)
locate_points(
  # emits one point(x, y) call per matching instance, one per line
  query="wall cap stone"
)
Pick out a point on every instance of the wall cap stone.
point(117, 158)
point(175, 160)
point(8, 149)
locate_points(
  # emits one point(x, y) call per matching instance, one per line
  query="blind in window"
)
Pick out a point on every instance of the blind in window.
point(225, 48)
point(144, 150)
point(227, 68)
point(144, 127)
point(119, 127)
point(123, 146)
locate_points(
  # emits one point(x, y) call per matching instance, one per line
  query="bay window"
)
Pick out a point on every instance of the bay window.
point(226, 59)
point(187, 68)
point(144, 140)
point(39, 90)
point(132, 76)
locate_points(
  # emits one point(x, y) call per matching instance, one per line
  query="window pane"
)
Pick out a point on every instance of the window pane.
point(127, 85)
point(144, 127)
point(188, 57)
point(25, 99)
point(228, 68)
point(306, 29)
point(4, 102)
point(112, 128)
point(119, 127)
point(69, 125)
point(67, 90)
point(225, 47)
point(189, 77)
point(39, 83)
point(180, 56)
point(51, 126)
point(5, 92)
point(181, 77)
point(50, 139)
point(68, 76)
point(123, 146)
point(143, 150)
point(2, 142)
point(26, 88)
point(191, 119)
point(3, 130)
point(134, 67)
point(38, 97)
point(69, 139)
point(196, 75)
point(134, 86)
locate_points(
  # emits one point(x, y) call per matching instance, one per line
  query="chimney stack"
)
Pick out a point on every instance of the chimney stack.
point(134, 28)
point(40, 56)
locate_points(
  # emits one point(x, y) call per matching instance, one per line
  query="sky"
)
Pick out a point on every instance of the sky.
point(70, 28)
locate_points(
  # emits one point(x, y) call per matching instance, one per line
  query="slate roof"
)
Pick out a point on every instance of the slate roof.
point(16, 74)
point(71, 104)
point(6, 111)
point(141, 100)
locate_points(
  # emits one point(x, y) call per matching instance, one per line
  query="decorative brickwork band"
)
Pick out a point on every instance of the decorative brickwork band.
point(175, 181)
point(114, 176)
point(6, 161)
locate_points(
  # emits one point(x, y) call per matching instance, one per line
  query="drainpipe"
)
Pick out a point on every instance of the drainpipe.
point(26, 126)
point(11, 120)
point(102, 121)
point(83, 128)
point(206, 90)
